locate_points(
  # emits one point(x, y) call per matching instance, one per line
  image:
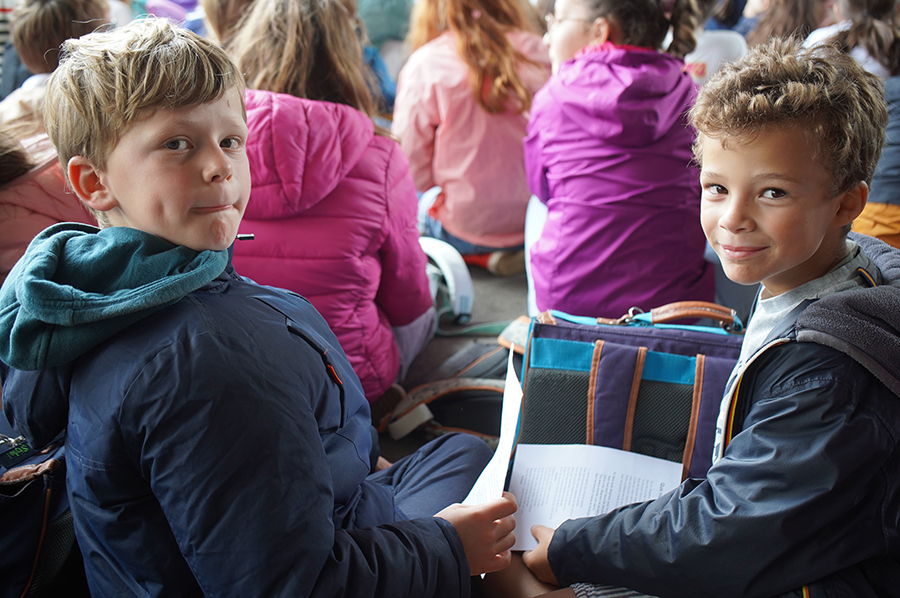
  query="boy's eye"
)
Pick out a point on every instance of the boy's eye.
point(774, 193)
point(231, 143)
point(176, 144)
point(715, 189)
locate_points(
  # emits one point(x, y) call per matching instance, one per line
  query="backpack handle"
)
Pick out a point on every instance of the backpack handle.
point(693, 309)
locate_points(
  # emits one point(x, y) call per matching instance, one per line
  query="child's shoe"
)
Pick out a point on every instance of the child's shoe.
point(499, 263)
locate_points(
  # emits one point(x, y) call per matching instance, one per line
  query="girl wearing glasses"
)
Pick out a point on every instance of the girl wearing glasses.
point(608, 154)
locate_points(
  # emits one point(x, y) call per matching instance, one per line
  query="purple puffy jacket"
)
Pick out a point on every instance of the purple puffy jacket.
point(333, 209)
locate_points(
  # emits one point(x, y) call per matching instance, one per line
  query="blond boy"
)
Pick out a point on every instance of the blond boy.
point(803, 497)
point(218, 442)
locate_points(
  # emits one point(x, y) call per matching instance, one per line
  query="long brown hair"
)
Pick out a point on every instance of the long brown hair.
point(14, 160)
point(222, 16)
point(305, 48)
point(644, 24)
point(480, 27)
point(873, 28)
point(786, 18)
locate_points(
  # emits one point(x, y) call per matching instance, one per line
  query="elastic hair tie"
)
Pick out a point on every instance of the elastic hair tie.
point(667, 6)
point(476, 14)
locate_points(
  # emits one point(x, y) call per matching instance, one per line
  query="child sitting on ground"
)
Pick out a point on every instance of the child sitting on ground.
point(870, 32)
point(333, 205)
point(462, 107)
point(608, 153)
point(803, 495)
point(217, 440)
point(38, 29)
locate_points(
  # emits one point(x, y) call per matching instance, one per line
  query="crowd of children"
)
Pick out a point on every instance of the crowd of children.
point(220, 270)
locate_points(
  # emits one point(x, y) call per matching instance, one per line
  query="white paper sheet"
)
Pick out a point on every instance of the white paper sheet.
point(557, 482)
point(489, 484)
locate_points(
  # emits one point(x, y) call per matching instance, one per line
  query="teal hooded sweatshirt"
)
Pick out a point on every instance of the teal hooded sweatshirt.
point(78, 285)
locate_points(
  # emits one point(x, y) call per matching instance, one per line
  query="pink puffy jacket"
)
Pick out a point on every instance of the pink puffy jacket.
point(333, 210)
point(34, 201)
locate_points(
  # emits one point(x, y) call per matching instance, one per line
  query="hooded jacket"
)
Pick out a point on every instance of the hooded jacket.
point(34, 201)
point(217, 440)
point(452, 142)
point(609, 152)
point(806, 492)
point(333, 211)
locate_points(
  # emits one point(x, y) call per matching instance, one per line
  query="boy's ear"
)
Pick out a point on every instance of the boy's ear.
point(851, 204)
point(87, 183)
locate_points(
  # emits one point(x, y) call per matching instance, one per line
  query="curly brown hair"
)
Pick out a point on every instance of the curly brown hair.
point(822, 91)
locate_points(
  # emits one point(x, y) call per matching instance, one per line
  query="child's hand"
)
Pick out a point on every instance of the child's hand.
point(537, 559)
point(486, 532)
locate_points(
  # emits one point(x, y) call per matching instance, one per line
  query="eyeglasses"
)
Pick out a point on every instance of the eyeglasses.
point(552, 21)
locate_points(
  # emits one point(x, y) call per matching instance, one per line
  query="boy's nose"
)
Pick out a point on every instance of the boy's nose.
point(735, 215)
point(218, 167)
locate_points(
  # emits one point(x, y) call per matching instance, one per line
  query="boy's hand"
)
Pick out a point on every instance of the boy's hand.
point(537, 559)
point(486, 532)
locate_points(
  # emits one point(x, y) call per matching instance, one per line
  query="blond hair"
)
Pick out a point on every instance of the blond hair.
point(306, 48)
point(39, 27)
point(107, 81)
point(480, 28)
point(822, 91)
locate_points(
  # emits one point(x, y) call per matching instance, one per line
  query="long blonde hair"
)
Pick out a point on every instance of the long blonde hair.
point(306, 48)
point(480, 27)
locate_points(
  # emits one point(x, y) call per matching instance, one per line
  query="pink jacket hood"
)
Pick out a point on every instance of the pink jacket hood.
point(292, 173)
point(333, 210)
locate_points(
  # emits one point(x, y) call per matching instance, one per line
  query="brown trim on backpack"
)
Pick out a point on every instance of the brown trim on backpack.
point(632, 399)
point(592, 388)
point(695, 416)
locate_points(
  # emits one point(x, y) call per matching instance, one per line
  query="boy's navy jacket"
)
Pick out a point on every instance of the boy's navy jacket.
point(808, 490)
point(221, 445)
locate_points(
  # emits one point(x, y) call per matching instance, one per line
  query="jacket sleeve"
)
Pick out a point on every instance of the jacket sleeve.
point(416, 120)
point(535, 169)
point(403, 294)
point(241, 476)
point(799, 494)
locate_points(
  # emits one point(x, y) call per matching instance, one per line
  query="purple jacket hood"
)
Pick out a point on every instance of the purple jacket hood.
point(626, 96)
point(286, 180)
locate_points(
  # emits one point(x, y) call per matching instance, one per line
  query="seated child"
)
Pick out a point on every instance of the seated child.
point(462, 107)
point(217, 440)
point(803, 496)
point(33, 195)
point(333, 205)
point(869, 31)
point(38, 28)
point(608, 152)
point(715, 47)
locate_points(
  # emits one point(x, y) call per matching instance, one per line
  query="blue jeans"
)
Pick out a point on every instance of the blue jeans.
point(429, 227)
